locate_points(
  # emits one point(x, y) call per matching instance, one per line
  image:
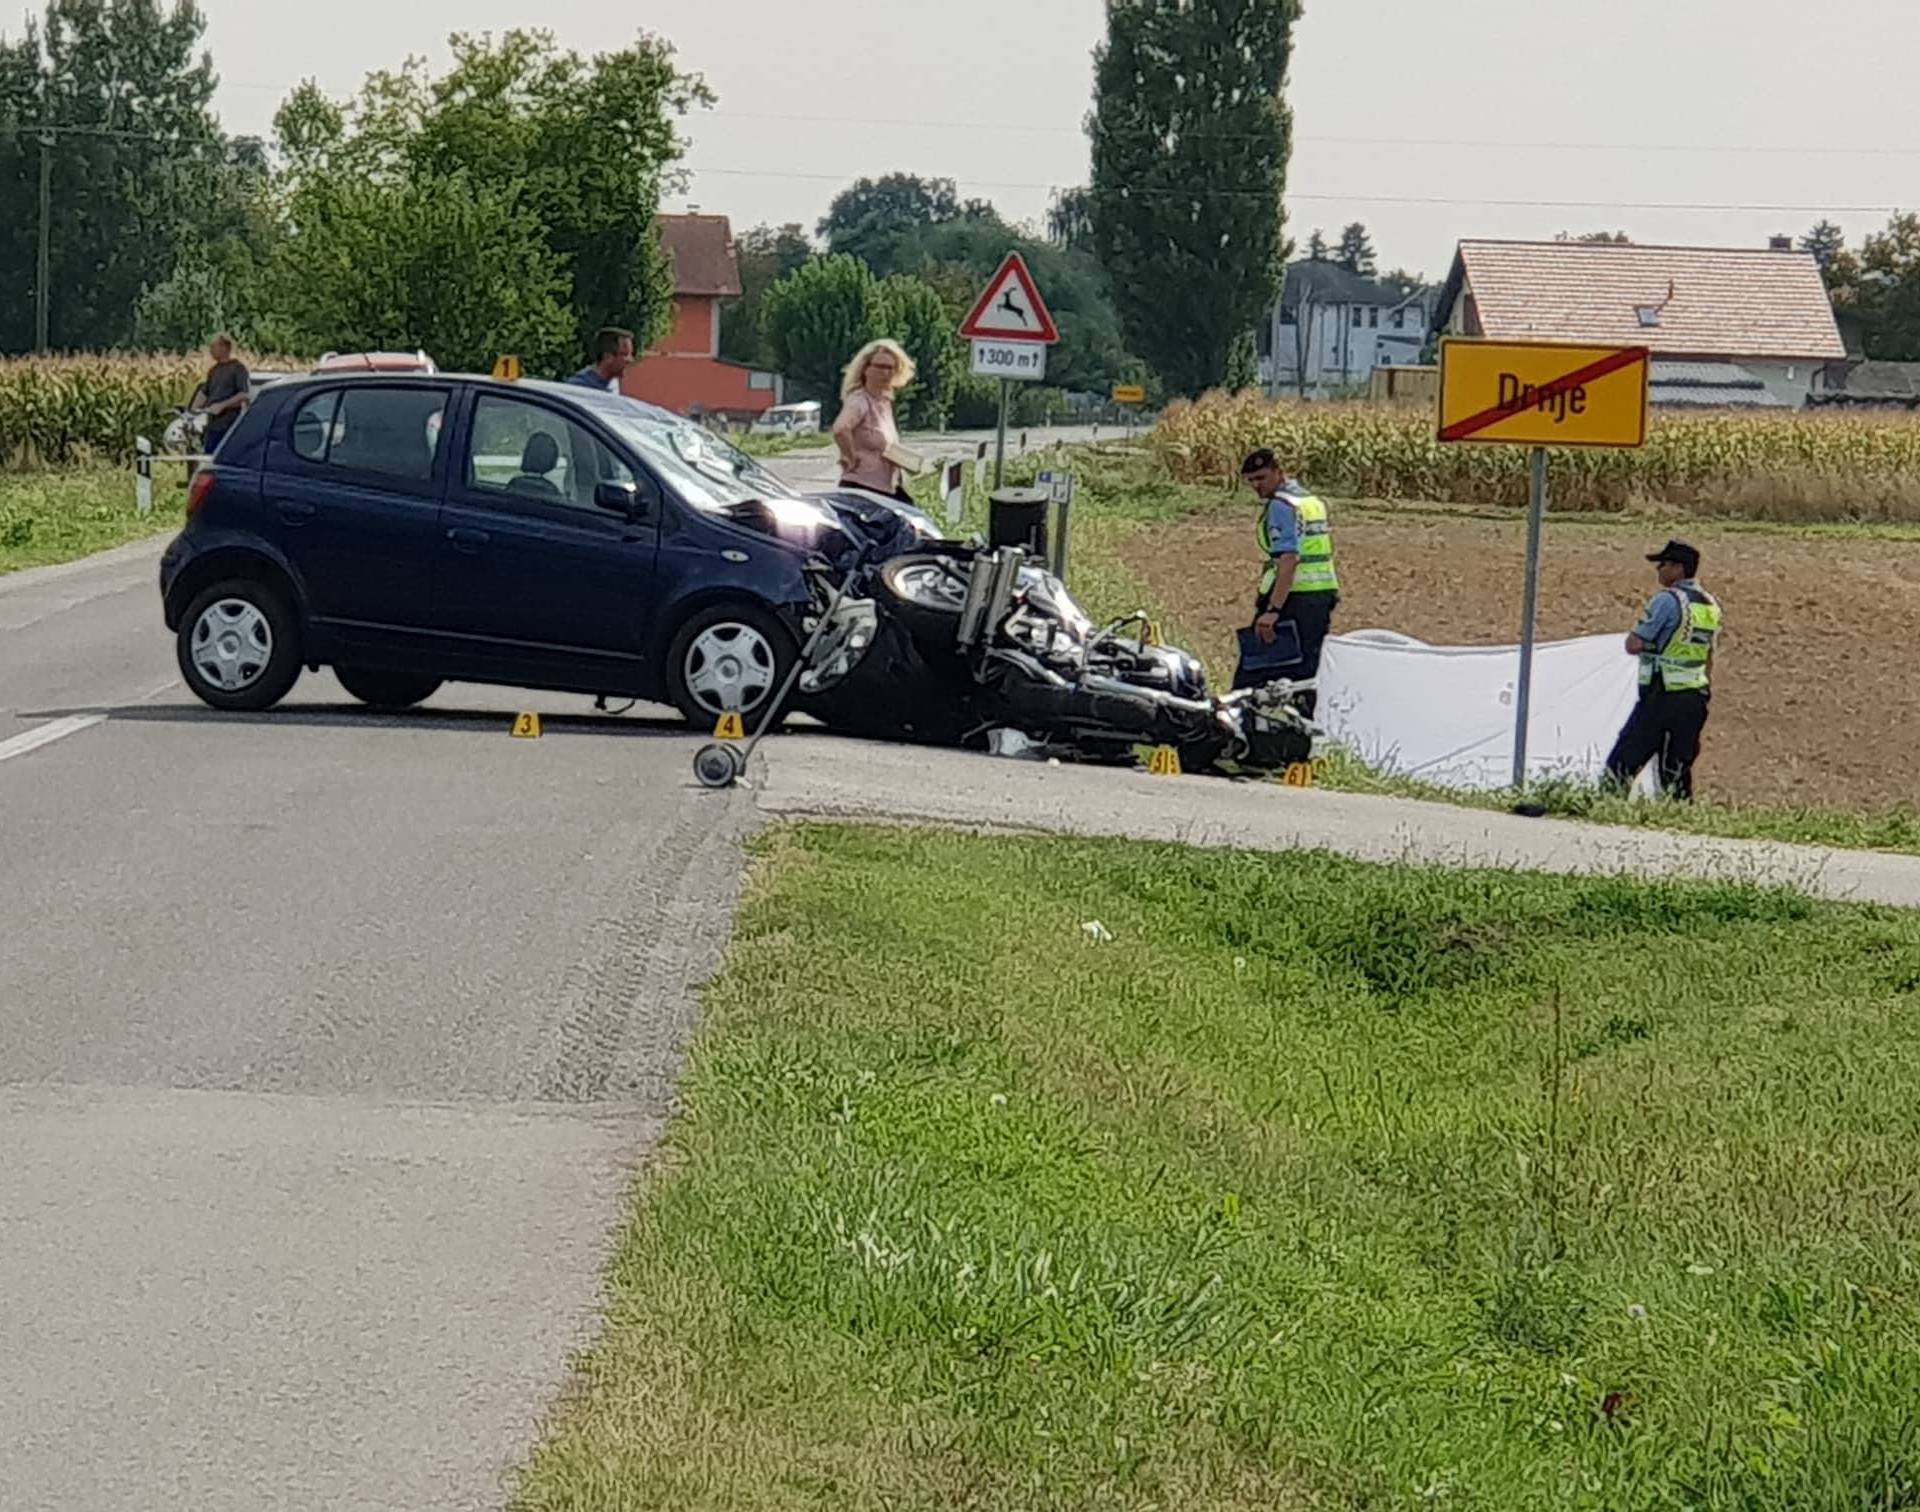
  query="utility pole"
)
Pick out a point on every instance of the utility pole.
point(43, 291)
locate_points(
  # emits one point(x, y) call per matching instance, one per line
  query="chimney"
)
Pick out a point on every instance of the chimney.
point(1779, 243)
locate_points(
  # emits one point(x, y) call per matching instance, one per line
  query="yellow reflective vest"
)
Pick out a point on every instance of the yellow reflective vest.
point(1315, 574)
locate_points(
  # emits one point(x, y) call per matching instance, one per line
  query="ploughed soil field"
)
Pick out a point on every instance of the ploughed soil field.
point(1817, 682)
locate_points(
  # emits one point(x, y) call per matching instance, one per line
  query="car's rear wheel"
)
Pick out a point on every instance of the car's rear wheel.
point(387, 690)
point(729, 659)
point(239, 645)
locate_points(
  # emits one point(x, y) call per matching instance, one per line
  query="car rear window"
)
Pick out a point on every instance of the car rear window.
point(386, 432)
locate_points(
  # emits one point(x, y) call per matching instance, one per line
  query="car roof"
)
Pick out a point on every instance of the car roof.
point(567, 393)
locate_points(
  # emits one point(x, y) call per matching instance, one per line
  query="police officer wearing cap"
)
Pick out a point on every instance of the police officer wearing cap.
point(1674, 641)
point(1299, 584)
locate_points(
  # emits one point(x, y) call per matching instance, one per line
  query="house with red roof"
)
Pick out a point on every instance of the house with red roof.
point(1729, 327)
point(685, 371)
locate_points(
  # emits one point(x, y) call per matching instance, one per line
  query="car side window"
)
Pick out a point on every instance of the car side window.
point(387, 432)
point(521, 450)
point(313, 426)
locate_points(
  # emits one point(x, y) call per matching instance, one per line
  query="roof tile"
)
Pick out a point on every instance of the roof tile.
point(1715, 301)
point(702, 251)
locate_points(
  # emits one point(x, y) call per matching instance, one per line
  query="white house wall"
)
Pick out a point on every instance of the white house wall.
point(1339, 353)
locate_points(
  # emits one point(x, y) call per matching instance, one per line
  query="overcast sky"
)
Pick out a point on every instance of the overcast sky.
point(1418, 117)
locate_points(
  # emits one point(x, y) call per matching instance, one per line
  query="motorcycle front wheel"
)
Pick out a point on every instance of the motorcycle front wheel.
point(926, 594)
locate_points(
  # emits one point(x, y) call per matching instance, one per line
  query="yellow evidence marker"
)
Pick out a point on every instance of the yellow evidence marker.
point(507, 369)
point(1299, 774)
point(527, 727)
point(1165, 762)
point(730, 727)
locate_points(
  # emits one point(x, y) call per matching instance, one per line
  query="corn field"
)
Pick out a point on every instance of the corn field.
point(59, 411)
point(1788, 465)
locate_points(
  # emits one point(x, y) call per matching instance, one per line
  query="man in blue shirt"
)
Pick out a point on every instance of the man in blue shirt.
point(1299, 588)
point(1675, 642)
point(612, 356)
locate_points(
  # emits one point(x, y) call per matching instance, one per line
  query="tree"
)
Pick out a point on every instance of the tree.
point(894, 202)
point(1316, 246)
point(139, 166)
point(444, 263)
point(1356, 251)
point(1243, 364)
point(1825, 241)
point(571, 157)
point(1877, 290)
point(1070, 220)
point(767, 255)
point(1190, 143)
point(816, 319)
point(913, 314)
point(1616, 238)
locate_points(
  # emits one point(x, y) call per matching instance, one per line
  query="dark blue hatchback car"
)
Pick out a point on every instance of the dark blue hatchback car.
point(412, 530)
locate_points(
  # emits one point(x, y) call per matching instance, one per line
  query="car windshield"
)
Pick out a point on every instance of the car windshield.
point(707, 471)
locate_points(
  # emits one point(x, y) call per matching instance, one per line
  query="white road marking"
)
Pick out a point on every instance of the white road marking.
point(47, 734)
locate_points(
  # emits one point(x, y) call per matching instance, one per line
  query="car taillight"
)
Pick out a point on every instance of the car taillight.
point(198, 489)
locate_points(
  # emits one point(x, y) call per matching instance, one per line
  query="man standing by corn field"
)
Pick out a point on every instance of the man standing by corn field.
point(225, 392)
point(1674, 641)
point(1299, 588)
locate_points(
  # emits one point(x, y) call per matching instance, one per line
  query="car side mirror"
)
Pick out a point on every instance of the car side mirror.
point(622, 499)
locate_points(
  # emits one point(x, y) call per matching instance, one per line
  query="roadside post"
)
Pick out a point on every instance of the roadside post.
point(1060, 488)
point(1540, 394)
point(143, 475)
point(953, 488)
point(1010, 329)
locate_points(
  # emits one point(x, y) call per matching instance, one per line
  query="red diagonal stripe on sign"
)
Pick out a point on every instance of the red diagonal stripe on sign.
point(1613, 362)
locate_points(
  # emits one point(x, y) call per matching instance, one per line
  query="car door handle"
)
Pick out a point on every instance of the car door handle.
point(294, 513)
point(467, 540)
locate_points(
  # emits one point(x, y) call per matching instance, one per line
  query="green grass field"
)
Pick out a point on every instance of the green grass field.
point(1318, 1184)
point(48, 517)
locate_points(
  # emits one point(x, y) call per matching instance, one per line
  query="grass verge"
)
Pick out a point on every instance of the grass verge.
point(48, 517)
point(1319, 1184)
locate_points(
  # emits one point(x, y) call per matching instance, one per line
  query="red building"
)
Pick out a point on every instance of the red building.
point(685, 372)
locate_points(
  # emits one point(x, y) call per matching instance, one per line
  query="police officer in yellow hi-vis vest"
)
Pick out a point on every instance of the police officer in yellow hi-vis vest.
point(1674, 641)
point(1298, 588)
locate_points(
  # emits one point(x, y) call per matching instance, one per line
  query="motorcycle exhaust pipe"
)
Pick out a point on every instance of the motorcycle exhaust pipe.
point(1000, 586)
point(973, 608)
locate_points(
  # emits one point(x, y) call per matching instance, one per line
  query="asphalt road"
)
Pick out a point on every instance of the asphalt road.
point(819, 467)
point(327, 1044)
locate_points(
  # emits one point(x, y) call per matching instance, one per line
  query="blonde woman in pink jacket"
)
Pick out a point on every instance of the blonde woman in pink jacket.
point(865, 432)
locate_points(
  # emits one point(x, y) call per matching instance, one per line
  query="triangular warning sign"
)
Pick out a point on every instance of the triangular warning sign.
point(1011, 309)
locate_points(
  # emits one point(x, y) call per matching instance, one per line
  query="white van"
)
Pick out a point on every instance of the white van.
point(789, 420)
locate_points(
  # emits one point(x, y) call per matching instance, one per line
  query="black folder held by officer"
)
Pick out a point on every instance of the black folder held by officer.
point(1299, 589)
point(1675, 641)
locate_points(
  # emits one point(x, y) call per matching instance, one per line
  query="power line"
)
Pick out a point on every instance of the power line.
point(1301, 196)
point(1356, 199)
point(1037, 128)
point(1478, 144)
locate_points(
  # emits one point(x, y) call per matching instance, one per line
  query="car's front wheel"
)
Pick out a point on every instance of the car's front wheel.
point(239, 645)
point(387, 690)
point(729, 659)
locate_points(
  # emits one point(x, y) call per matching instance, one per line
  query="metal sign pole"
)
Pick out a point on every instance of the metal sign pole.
point(1536, 519)
point(1000, 440)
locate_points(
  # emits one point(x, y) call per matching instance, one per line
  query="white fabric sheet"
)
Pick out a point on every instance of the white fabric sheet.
point(1445, 714)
